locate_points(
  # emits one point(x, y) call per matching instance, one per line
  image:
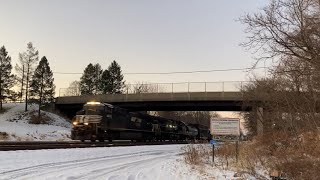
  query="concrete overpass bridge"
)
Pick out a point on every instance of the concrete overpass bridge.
point(183, 96)
point(189, 101)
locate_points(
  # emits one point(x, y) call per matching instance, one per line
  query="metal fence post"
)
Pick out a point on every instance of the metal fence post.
point(172, 88)
point(188, 87)
point(222, 86)
point(158, 88)
point(127, 92)
point(172, 92)
point(205, 90)
point(222, 89)
point(128, 88)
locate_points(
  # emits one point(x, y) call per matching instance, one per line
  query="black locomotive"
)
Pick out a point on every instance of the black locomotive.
point(102, 121)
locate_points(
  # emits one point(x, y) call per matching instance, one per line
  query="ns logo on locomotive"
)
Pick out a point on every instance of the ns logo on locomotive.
point(102, 121)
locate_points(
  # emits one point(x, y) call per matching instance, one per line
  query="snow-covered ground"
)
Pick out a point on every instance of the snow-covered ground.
point(162, 162)
point(14, 122)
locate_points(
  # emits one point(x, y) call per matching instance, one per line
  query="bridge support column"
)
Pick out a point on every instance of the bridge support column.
point(259, 120)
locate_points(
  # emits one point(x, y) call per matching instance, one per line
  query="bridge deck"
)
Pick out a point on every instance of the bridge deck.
point(193, 101)
point(152, 97)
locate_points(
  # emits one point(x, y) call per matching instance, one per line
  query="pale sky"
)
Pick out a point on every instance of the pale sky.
point(141, 35)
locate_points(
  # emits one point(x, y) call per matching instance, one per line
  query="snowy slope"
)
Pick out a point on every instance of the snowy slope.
point(14, 122)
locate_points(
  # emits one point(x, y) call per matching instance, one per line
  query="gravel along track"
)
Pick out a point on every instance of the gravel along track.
point(35, 145)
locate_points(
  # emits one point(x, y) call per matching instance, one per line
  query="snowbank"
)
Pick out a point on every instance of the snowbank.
point(15, 122)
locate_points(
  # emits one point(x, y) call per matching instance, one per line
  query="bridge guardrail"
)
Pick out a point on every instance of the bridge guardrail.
point(180, 87)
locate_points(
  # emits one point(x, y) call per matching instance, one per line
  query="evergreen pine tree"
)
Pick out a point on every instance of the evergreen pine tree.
point(97, 78)
point(112, 79)
point(42, 86)
point(90, 82)
point(6, 78)
point(106, 83)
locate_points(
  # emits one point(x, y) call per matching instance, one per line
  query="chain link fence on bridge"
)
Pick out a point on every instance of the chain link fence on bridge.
point(181, 87)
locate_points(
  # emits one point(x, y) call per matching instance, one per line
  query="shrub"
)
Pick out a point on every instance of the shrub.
point(3, 110)
point(4, 135)
point(226, 153)
point(35, 119)
point(296, 156)
point(196, 154)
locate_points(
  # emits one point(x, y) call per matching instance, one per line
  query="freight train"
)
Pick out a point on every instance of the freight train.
point(102, 121)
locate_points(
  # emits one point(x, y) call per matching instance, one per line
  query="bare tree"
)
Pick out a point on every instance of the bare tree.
point(286, 28)
point(145, 88)
point(286, 103)
point(26, 68)
point(287, 31)
point(20, 75)
point(74, 89)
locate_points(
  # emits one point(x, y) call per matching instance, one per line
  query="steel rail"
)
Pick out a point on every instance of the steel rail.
point(37, 145)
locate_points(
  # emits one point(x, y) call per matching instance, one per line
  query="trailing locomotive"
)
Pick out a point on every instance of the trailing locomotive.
point(102, 121)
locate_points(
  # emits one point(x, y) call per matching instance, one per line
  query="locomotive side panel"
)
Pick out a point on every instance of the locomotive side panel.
point(100, 121)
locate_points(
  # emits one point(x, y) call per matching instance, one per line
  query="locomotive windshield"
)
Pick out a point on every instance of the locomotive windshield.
point(97, 109)
point(94, 109)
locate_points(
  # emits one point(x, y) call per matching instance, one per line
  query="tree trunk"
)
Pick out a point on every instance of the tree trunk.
point(0, 96)
point(27, 88)
point(40, 96)
point(22, 80)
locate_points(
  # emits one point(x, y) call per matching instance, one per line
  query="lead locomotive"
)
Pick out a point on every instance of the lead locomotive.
point(102, 121)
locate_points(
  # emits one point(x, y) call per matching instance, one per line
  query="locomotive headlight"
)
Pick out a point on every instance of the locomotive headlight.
point(75, 123)
point(86, 123)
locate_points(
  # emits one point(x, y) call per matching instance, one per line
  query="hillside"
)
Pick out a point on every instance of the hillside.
point(15, 125)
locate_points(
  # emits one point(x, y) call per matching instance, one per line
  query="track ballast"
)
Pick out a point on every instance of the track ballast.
point(35, 145)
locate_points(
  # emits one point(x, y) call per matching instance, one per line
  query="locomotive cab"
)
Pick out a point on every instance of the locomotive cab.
point(88, 121)
point(92, 113)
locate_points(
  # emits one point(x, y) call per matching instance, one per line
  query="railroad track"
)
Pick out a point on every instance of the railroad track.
point(34, 145)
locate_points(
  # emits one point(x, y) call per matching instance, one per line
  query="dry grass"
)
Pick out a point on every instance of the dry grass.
point(3, 110)
point(227, 155)
point(4, 135)
point(196, 154)
point(35, 119)
point(58, 113)
point(297, 157)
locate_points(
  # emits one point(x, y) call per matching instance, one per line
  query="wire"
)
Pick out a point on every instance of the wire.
point(178, 72)
point(66, 73)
